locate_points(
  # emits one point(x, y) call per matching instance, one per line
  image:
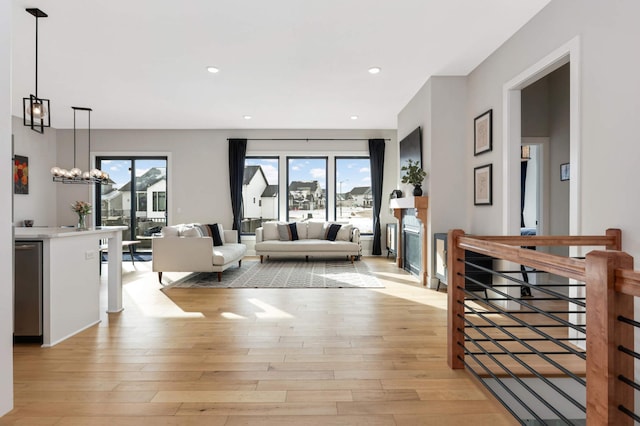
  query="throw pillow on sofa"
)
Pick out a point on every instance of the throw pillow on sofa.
point(344, 234)
point(288, 231)
point(170, 231)
point(214, 231)
point(191, 232)
point(332, 231)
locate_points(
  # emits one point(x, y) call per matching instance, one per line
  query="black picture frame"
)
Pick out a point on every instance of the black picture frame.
point(483, 185)
point(565, 171)
point(483, 133)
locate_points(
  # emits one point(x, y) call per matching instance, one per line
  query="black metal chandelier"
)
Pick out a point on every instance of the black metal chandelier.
point(75, 175)
point(36, 108)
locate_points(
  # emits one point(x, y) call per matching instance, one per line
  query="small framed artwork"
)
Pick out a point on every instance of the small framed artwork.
point(20, 174)
point(565, 171)
point(482, 185)
point(483, 133)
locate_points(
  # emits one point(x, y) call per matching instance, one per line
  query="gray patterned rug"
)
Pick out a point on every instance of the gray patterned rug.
point(286, 273)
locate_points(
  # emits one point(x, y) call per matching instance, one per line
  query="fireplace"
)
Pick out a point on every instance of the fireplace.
point(411, 213)
point(412, 242)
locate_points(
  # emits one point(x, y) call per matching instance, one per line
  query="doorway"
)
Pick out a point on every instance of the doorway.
point(135, 196)
point(515, 128)
point(545, 152)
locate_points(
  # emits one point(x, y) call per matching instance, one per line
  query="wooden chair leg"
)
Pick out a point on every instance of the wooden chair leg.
point(219, 276)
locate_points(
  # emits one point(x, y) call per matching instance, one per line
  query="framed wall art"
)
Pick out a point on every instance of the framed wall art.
point(565, 171)
point(483, 133)
point(482, 185)
point(20, 174)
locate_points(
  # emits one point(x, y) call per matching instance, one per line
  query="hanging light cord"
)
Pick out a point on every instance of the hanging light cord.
point(36, 56)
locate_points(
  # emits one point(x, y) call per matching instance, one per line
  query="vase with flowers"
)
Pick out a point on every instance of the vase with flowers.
point(82, 209)
point(414, 175)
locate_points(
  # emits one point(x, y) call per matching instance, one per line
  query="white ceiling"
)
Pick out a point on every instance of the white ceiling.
point(288, 63)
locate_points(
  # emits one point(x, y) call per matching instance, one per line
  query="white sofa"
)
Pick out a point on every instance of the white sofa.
point(273, 239)
point(190, 248)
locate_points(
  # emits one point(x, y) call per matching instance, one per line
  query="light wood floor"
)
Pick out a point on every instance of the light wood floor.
point(255, 356)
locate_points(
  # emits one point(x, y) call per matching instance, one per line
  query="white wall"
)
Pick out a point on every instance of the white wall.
point(609, 102)
point(6, 231)
point(40, 203)
point(559, 146)
point(439, 108)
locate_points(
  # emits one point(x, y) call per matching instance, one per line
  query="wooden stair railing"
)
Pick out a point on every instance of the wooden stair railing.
point(611, 285)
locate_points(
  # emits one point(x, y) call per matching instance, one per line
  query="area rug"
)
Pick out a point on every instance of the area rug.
point(126, 257)
point(286, 273)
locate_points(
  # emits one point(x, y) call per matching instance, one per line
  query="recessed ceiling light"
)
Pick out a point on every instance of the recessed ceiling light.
point(213, 70)
point(246, 117)
point(374, 70)
point(354, 117)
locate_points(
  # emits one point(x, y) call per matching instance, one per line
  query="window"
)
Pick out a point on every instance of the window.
point(134, 181)
point(354, 200)
point(306, 188)
point(260, 183)
point(141, 198)
point(159, 201)
point(308, 193)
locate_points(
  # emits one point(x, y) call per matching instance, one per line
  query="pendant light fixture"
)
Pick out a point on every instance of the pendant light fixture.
point(76, 175)
point(36, 108)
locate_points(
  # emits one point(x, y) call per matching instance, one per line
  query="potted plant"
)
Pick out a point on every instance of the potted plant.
point(414, 175)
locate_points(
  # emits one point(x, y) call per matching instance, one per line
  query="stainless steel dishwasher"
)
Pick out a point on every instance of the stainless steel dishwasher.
point(27, 325)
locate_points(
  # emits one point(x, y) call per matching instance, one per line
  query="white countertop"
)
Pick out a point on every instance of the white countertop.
point(60, 232)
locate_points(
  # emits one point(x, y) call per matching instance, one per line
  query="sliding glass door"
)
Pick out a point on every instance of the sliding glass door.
point(136, 196)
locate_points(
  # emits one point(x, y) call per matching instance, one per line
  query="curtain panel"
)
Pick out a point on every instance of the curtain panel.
point(237, 154)
point(376, 158)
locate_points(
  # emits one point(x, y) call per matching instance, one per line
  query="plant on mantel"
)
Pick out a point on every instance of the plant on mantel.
point(414, 175)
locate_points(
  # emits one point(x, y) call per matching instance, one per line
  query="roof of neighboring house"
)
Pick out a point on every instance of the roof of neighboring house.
point(111, 195)
point(270, 191)
point(360, 190)
point(250, 172)
point(151, 176)
point(298, 185)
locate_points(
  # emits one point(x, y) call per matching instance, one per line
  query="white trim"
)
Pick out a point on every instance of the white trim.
point(543, 184)
point(569, 52)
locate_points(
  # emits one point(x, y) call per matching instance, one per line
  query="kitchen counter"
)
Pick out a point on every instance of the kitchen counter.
point(40, 232)
point(71, 277)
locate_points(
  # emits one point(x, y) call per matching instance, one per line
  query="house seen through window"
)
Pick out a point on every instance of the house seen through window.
point(260, 201)
point(306, 194)
point(135, 196)
point(354, 201)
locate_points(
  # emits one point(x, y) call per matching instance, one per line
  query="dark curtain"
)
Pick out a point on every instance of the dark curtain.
point(237, 153)
point(523, 189)
point(376, 158)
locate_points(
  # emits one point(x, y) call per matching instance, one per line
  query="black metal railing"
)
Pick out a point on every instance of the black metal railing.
point(555, 349)
point(500, 343)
